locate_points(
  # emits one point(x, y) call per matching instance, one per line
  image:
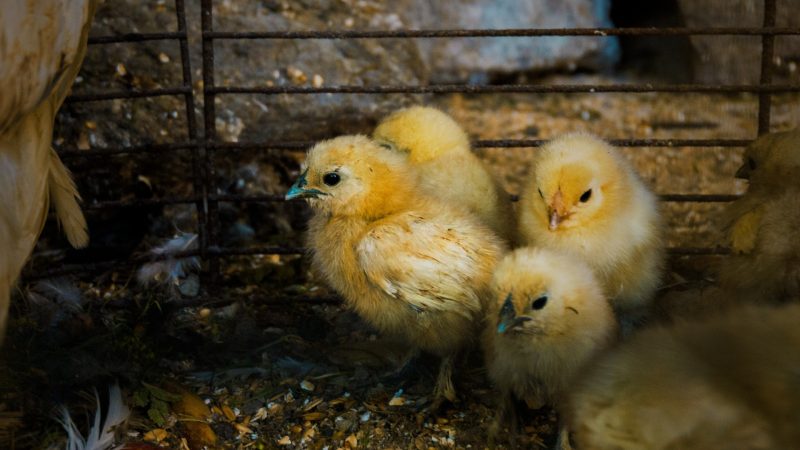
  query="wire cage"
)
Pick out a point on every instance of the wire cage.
point(204, 147)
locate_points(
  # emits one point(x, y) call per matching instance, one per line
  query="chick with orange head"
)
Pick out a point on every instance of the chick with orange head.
point(549, 318)
point(408, 264)
point(439, 150)
point(583, 197)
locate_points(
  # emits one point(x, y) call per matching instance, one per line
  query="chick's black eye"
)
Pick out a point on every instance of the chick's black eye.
point(331, 179)
point(586, 196)
point(751, 163)
point(540, 193)
point(539, 302)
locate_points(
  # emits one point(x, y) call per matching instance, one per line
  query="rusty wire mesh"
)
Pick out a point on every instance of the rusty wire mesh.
point(203, 142)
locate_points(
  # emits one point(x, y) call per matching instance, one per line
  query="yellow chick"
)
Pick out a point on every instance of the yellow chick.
point(42, 44)
point(439, 150)
point(408, 264)
point(583, 197)
point(728, 382)
point(762, 225)
point(550, 317)
point(771, 164)
point(768, 268)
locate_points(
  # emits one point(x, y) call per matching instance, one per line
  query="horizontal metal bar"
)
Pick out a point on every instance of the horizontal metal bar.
point(72, 152)
point(501, 143)
point(217, 251)
point(268, 198)
point(698, 251)
point(32, 275)
point(121, 94)
point(286, 299)
point(222, 252)
point(106, 204)
point(300, 250)
point(508, 32)
point(522, 143)
point(698, 198)
point(249, 198)
point(503, 88)
point(136, 37)
point(685, 198)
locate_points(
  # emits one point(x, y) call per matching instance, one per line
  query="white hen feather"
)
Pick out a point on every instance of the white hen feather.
point(171, 270)
point(101, 434)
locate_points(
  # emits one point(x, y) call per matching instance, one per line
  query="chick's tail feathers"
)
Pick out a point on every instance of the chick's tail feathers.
point(65, 197)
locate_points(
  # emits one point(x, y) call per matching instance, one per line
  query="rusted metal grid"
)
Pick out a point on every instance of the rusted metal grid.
point(203, 147)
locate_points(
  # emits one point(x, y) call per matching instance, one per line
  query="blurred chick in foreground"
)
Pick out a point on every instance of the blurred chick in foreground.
point(42, 44)
point(548, 320)
point(408, 264)
point(439, 149)
point(763, 225)
point(583, 197)
point(728, 382)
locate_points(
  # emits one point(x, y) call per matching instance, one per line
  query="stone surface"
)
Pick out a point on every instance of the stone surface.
point(473, 58)
point(736, 59)
point(323, 62)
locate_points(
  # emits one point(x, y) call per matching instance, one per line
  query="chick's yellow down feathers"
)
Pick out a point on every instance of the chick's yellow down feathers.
point(42, 44)
point(771, 164)
point(549, 318)
point(730, 381)
point(583, 197)
point(439, 150)
point(408, 264)
point(763, 224)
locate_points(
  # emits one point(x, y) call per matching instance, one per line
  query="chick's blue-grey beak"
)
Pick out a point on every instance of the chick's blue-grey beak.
point(508, 319)
point(299, 190)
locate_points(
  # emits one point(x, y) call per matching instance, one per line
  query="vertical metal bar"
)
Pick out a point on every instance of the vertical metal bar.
point(191, 120)
point(210, 131)
point(767, 53)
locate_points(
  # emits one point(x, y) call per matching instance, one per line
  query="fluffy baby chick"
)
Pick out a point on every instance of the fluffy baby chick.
point(762, 225)
point(583, 197)
point(771, 164)
point(440, 151)
point(410, 265)
point(550, 318)
point(727, 382)
point(42, 45)
point(767, 268)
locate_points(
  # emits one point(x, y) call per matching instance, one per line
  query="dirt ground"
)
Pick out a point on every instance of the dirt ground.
point(270, 359)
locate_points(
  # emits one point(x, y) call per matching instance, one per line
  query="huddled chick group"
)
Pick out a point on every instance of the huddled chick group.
point(420, 239)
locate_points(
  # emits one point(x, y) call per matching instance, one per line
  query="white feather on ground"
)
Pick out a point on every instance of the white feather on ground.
point(101, 435)
point(171, 271)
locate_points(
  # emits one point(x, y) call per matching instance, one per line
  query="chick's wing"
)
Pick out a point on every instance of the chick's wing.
point(427, 264)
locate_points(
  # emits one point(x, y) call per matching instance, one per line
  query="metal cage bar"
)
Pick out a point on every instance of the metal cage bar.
point(198, 174)
point(202, 147)
point(767, 53)
point(210, 131)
